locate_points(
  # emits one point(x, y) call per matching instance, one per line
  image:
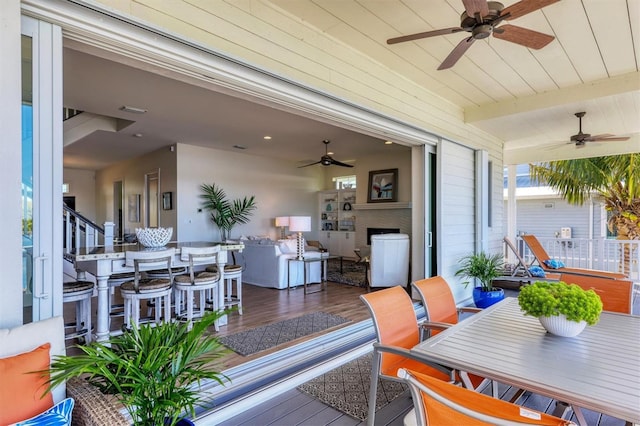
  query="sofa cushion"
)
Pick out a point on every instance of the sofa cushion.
point(58, 415)
point(22, 392)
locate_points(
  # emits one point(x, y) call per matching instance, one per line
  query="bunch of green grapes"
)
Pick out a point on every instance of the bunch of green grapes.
point(549, 299)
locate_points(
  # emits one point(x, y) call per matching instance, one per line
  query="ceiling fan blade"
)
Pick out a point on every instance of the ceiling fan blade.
point(340, 163)
point(425, 34)
point(525, 6)
point(307, 165)
point(456, 53)
point(607, 138)
point(523, 36)
point(479, 7)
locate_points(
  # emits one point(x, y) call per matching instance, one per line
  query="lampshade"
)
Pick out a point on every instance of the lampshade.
point(282, 221)
point(299, 223)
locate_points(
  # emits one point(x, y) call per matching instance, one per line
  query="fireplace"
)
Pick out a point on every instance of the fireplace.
point(376, 231)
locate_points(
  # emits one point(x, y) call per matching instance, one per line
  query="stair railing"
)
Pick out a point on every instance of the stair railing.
point(80, 231)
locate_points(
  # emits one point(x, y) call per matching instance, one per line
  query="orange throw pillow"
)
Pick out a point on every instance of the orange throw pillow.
point(21, 392)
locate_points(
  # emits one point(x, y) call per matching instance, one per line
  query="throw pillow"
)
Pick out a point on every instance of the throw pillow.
point(288, 246)
point(537, 271)
point(21, 390)
point(58, 415)
point(554, 263)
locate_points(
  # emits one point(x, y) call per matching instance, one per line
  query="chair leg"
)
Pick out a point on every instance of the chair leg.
point(167, 307)
point(373, 389)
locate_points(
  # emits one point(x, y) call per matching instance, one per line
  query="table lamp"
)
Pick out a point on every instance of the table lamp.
point(300, 224)
point(282, 222)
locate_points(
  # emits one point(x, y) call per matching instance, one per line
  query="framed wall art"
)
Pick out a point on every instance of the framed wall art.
point(382, 186)
point(167, 202)
point(133, 207)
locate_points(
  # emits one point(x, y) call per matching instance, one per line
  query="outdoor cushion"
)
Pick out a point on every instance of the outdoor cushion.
point(22, 394)
point(58, 415)
point(554, 263)
point(537, 271)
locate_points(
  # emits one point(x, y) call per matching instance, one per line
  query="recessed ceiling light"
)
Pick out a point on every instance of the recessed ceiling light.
point(267, 138)
point(388, 142)
point(137, 135)
point(131, 109)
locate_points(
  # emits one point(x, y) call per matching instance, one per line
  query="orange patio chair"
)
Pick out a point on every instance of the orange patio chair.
point(616, 295)
point(397, 331)
point(541, 256)
point(440, 403)
point(441, 312)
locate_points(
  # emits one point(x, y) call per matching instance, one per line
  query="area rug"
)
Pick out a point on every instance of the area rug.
point(346, 388)
point(352, 273)
point(268, 336)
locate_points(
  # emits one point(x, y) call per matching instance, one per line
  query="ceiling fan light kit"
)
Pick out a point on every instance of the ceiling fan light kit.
point(481, 18)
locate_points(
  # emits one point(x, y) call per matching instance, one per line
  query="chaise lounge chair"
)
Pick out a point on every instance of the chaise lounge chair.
point(542, 257)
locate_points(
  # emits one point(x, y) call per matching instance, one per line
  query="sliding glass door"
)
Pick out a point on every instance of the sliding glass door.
point(41, 181)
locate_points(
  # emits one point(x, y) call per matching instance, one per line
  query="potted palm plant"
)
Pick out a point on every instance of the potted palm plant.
point(153, 370)
point(226, 214)
point(485, 268)
point(562, 309)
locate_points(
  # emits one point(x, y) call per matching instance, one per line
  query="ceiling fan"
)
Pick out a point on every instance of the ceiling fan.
point(481, 18)
point(326, 159)
point(581, 138)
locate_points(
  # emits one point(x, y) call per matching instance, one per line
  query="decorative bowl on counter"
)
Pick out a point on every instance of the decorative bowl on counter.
point(154, 237)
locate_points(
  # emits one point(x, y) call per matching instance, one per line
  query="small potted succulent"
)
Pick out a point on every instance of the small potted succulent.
point(485, 268)
point(563, 309)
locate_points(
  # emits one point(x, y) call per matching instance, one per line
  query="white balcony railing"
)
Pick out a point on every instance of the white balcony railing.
point(599, 253)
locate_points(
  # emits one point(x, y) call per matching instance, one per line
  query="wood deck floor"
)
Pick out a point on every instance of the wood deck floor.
point(265, 305)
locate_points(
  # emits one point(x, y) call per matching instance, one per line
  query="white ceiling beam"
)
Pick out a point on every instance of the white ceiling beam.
point(597, 89)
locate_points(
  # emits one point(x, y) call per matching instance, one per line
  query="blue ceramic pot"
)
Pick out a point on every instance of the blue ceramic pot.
point(484, 299)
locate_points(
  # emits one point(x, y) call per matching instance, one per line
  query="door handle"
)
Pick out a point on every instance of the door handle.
point(38, 264)
point(429, 239)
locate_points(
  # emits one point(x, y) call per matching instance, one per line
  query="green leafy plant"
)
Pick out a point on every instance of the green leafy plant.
point(483, 266)
point(151, 369)
point(224, 213)
point(544, 299)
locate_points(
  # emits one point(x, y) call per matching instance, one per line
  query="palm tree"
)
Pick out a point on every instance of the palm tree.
point(226, 214)
point(615, 179)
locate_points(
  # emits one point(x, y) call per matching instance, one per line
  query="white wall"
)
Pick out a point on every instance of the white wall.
point(132, 173)
point(82, 185)
point(281, 189)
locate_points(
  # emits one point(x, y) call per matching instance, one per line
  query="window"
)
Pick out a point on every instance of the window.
point(345, 182)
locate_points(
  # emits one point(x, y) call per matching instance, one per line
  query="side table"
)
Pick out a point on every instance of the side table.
point(323, 275)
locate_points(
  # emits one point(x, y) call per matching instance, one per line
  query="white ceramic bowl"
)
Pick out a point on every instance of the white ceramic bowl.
point(561, 326)
point(154, 237)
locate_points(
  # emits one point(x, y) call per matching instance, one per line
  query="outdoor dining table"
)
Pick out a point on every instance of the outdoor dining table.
point(598, 370)
point(103, 261)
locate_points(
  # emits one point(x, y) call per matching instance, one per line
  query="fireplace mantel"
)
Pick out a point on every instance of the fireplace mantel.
point(382, 206)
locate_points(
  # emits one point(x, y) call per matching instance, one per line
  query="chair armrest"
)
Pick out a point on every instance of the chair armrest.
point(434, 324)
point(469, 309)
point(377, 347)
point(92, 407)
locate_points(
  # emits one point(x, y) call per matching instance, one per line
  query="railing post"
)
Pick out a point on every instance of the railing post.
point(108, 233)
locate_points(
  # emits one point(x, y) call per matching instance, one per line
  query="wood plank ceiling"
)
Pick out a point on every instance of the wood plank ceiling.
point(525, 97)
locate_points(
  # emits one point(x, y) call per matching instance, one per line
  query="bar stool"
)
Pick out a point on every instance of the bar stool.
point(197, 282)
point(163, 273)
point(232, 275)
point(79, 292)
point(157, 289)
point(116, 280)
